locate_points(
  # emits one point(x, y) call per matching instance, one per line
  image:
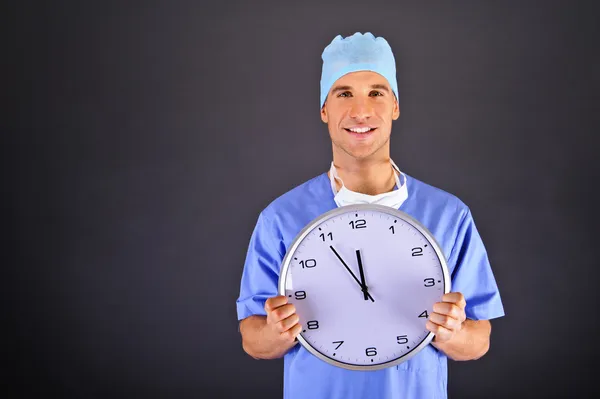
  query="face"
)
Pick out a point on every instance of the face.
point(359, 111)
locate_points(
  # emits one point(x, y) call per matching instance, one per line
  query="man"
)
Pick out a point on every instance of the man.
point(359, 101)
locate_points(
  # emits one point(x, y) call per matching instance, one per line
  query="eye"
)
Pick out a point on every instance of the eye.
point(345, 94)
point(376, 93)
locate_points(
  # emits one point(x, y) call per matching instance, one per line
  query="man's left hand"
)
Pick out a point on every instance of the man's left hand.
point(447, 317)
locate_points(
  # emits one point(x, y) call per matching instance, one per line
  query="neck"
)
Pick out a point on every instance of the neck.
point(371, 176)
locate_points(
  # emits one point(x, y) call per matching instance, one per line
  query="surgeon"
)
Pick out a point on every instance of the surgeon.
point(359, 101)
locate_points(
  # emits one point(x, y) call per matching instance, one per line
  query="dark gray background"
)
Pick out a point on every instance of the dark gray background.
point(142, 141)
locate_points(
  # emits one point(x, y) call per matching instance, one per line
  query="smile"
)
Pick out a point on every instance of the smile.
point(360, 130)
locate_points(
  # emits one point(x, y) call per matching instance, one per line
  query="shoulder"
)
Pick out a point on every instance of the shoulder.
point(285, 216)
point(298, 198)
point(435, 198)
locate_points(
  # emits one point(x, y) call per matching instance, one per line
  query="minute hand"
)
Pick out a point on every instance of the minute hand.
point(362, 287)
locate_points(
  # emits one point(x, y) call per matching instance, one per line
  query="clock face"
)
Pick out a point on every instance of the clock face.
point(378, 324)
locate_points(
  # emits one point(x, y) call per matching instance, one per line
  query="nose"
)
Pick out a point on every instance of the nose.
point(360, 110)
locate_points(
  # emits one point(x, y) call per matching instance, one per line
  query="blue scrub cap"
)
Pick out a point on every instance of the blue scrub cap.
point(357, 53)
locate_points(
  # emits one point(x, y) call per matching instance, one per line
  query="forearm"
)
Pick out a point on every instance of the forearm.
point(470, 343)
point(260, 342)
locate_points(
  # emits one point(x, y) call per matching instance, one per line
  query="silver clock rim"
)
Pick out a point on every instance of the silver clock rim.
point(363, 207)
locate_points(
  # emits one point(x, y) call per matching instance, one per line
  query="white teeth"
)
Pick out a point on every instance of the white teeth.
point(360, 129)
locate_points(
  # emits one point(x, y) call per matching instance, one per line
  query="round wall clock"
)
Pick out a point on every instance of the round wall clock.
point(363, 279)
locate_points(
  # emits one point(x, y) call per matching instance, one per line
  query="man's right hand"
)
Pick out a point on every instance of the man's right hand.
point(282, 318)
point(273, 335)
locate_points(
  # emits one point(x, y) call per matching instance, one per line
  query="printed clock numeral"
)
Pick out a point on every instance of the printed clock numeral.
point(338, 342)
point(371, 351)
point(300, 295)
point(402, 339)
point(308, 263)
point(429, 282)
point(312, 325)
point(424, 314)
point(323, 236)
point(358, 224)
point(418, 251)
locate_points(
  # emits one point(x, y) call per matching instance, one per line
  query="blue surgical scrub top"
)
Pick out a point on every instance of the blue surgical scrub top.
point(424, 375)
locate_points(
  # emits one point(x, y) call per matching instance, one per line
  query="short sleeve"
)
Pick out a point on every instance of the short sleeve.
point(260, 276)
point(472, 274)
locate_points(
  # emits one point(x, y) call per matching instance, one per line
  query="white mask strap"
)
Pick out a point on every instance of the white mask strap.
point(332, 176)
point(397, 175)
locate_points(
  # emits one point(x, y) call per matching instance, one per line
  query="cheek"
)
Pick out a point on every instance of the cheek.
point(388, 113)
point(334, 119)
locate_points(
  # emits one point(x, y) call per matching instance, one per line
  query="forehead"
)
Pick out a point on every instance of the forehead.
point(360, 78)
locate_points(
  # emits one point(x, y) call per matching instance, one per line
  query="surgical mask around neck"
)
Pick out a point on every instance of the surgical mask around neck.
point(393, 199)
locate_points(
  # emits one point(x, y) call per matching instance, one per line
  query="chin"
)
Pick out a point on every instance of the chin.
point(358, 152)
point(361, 154)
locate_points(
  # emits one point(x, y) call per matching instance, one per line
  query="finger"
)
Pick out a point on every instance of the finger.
point(275, 302)
point(456, 298)
point(287, 323)
point(445, 321)
point(278, 314)
point(449, 309)
point(291, 334)
point(441, 334)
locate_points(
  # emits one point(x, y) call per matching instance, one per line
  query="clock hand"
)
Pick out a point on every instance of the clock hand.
point(362, 287)
point(362, 275)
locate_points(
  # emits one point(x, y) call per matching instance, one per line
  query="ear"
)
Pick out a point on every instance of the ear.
point(396, 110)
point(324, 117)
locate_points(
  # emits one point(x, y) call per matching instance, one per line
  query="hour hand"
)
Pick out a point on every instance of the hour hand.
point(363, 288)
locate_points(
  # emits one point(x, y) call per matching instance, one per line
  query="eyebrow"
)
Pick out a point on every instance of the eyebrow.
point(381, 87)
point(375, 86)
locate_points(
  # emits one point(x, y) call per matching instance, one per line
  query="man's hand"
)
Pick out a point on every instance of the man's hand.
point(271, 336)
point(282, 319)
point(455, 335)
point(447, 317)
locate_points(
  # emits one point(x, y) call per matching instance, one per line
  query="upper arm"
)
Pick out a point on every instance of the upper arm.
point(472, 273)
point(260, 275)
